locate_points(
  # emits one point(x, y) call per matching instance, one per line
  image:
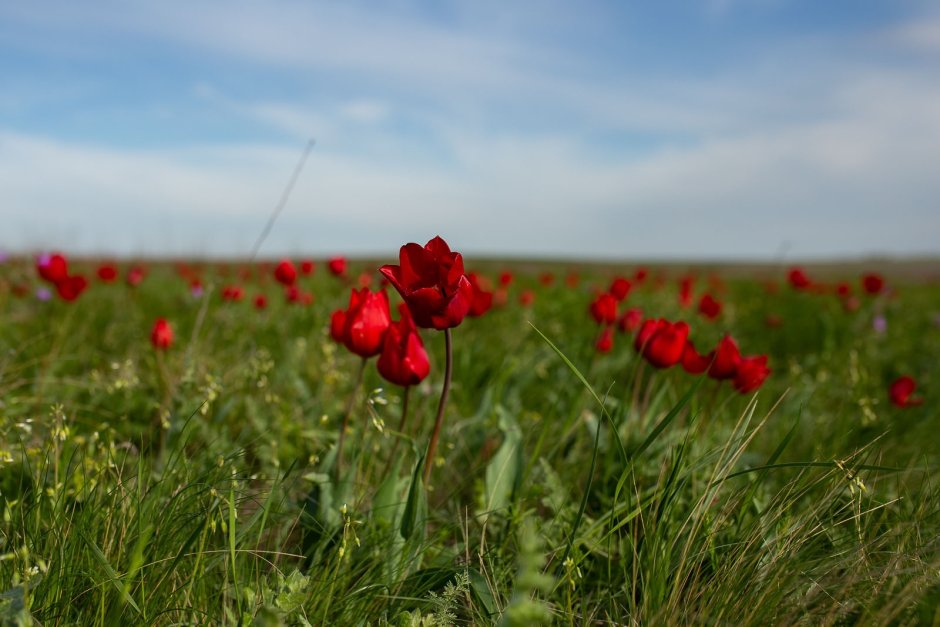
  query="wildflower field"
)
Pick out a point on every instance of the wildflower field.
point(616, 444)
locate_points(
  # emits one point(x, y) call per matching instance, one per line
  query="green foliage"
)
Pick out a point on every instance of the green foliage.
point(199, 486)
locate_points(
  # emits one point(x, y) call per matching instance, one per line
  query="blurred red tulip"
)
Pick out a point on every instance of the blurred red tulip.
point(724, 359)
point(526, 298)
point(135, 276)
point(52, 267)
point(482, 297)
point(307, 267)
point(692, 361)
point(285, 272)
point(572, 280)
point(107, 272)
point(620, 288)
point(604, 309)
point(751, 373)
point(432, 282)
point(403, 361)
point(605, 342)
point(873, 283)
point(162, 334)
point(685, 290)
point(505, 278)
point(902, 390)
point(662, 342)
point(798, 279)
point(709, 307)
point(261, 301)
point(547, 279)
point(71, 287)
point(337, 266)
point(630, 321)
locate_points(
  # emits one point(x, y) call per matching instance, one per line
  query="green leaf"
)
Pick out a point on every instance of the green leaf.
point(416, 506)
point(504, 470)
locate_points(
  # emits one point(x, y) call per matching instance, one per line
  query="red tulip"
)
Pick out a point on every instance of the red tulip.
point(306, 267)
point(338, 326)
point(873, 283)
point(692, 361)
point(285, 272)
point(630, 320)
point(71, 287)
point(52, 267)
point(107, 272)
point(364, 323)
point(261, 301)
point(135, 276)
point(547, 279)
point(162, 334)
point(902, 390)
point(620, 288)
point(662, 342)
point(526, 298)
point(685, 291)
point(843, 289)
point(751, 373)
point(233, 293)
point(337, 266)
point(798, 279)
point(606, 340)
point(403, 361)
point(432, 282)
point(365, 279)
point(709, 307)
point(572, 280)
point(640, 275)
point(482, 297)
point(724, 359)
point(505, 278)
point(604, 309)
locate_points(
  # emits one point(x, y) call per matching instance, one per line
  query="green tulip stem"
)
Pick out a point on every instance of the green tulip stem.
point(432, 445)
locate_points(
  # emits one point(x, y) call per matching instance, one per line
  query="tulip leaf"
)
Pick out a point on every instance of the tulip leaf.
point(416, 507)
point(505, 468)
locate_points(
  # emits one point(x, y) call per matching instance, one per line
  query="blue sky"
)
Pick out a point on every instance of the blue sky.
point(676, 129)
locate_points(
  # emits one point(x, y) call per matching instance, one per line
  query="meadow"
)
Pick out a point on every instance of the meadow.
point(187, 473)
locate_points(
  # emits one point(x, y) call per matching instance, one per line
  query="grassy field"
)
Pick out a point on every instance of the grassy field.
point(199, 484)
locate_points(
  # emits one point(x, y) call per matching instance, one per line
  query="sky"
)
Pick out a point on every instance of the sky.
point(677, 129)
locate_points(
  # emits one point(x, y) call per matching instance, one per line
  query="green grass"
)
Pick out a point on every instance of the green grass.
point(195, 486)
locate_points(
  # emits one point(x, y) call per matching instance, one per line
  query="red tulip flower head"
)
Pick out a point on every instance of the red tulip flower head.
point(337, 266)
point(306, 267)
point(605, 342)
point(362, 327)
point(52, 267)
point(162, 334)
point(798, 279)
point(630, 321)
point(482, 297)
point(692, 361)
point(403, 360)
point(604, 309)
point(70, 288)
point(685, 290)
point(709, 307)
point(285, 272)
point(724, 359)
point(107, 272)
point(873, 283)
point(661, 342)
point(135, 276)
point(902, 392)
point(261, 301)
point(432, 282)
point(505, 278)
point(751, 373)
point(526, 298)
point(620, 288)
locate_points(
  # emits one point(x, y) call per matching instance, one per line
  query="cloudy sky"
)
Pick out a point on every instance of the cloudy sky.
point(681, 128)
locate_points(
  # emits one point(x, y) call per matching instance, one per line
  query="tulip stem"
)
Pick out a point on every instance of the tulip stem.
point(346, 415)
point(432, 445)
